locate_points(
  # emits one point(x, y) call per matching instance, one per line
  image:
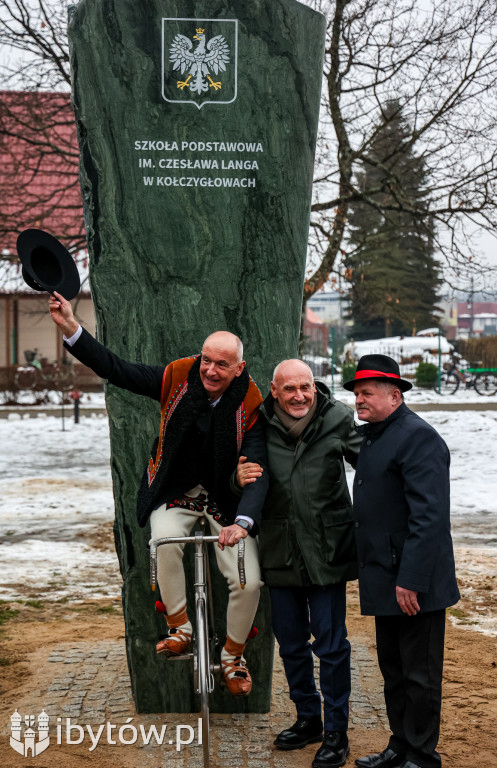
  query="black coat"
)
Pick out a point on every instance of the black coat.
point(191, 466)
point(402, 515)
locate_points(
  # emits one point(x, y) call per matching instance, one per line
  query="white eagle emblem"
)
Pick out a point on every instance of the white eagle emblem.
point(207, 57)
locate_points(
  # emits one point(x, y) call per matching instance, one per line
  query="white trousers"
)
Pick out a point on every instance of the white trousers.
point(242, 603)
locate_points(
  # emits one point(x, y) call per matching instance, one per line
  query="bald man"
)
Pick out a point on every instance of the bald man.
point(307, 551)
point(209, 415)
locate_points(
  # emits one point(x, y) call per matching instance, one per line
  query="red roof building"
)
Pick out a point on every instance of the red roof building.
point(39, 187)
point(39, 168)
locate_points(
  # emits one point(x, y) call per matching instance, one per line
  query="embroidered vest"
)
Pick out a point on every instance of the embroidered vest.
point(183, 398)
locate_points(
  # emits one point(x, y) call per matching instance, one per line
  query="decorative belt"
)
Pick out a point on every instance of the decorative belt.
point(200, 504)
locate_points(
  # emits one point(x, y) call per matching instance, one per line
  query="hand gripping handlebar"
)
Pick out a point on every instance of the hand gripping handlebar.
point(155, 543)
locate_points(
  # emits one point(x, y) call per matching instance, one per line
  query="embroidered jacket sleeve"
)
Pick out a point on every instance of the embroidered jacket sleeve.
point(136, 377)
point(254, 494)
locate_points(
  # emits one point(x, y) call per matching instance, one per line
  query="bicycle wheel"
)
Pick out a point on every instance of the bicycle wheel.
point(203, 674)
point(449, 383)
point(486, 383)
point(26, 378)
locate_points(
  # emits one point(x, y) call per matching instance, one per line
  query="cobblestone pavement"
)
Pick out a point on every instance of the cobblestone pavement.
point(88, 683)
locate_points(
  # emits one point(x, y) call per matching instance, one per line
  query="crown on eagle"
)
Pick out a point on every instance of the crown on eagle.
point(200, 31)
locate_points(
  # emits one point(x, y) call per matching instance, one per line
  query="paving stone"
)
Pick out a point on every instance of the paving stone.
point(280, 761)
point(228, 747)
point(93, 715)
point(71, 711)
point(91, 693)
point(198, 762)
point(231, 736)
point(366, 722)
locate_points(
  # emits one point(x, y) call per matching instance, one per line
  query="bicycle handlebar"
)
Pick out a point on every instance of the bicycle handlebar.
point(154, 543)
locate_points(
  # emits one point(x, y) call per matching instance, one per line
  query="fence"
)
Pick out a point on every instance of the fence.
point(479, 350)
point(409, 352)
point(16, 381)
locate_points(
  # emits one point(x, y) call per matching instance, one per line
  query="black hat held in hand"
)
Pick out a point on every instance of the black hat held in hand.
point(46, 264)
point(381, 368)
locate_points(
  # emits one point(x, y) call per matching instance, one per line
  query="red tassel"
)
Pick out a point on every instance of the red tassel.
point(160, 607)
point(253, 633)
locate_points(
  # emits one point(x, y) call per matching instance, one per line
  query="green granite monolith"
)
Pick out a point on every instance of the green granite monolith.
point(197, 123)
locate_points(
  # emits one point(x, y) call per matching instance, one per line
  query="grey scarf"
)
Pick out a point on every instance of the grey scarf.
point(295, 427)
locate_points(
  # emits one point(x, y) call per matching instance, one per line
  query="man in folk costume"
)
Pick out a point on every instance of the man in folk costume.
point(209, 415)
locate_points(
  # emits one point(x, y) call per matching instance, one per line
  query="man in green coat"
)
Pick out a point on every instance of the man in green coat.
point(307, 551)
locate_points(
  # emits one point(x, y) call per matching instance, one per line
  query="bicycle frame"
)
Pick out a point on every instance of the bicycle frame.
point(203, 646)
point(483, 380)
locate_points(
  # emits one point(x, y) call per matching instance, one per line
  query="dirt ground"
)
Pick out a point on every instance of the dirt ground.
point(469, 721)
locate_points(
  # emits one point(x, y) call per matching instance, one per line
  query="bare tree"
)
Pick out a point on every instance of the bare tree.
point(38, 147)
point(438, 60)
point(33, 34)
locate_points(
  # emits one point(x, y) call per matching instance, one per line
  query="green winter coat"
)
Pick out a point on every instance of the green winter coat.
point(307, 534)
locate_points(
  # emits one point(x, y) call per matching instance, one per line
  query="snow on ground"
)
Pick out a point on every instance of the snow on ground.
point(56, 502)
point(424, 346)
point(27, 398)
point(55, 495)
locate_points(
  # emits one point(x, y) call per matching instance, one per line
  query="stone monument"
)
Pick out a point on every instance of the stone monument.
point(197, 123)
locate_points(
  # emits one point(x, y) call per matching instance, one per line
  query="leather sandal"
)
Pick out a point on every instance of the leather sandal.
point(236, 676)
point(175, 644)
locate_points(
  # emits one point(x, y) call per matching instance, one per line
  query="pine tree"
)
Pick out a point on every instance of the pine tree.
point(390, 263)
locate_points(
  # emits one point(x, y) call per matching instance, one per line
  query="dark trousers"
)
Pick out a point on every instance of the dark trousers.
point(410, 655)
point(296, 613)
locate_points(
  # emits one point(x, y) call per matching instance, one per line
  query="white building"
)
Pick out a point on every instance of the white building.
point(329, 306)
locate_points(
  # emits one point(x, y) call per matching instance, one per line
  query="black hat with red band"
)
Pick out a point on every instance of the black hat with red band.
point(380, 368)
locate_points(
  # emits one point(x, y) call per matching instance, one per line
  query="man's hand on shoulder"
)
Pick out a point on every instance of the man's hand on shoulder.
point(407, 600)
point(231, 535)
point(247, 472)
point(62, 314)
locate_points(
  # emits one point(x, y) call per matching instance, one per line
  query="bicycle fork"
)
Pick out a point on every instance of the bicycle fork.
point(205, 670)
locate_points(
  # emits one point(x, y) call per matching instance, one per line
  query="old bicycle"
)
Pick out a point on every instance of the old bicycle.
point(484, 380)
point(39, 376)
point(205, 640)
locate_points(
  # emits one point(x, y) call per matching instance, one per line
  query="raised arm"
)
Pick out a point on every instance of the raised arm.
point(62, 315)
point(136, 377)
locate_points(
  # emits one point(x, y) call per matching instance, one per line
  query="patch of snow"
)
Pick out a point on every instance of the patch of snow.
point(56, 494)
